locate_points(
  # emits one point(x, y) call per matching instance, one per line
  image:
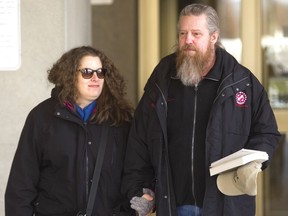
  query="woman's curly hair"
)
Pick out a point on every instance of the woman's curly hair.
point(112, 105)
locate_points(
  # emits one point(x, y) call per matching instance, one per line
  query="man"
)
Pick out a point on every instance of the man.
point(199, 105)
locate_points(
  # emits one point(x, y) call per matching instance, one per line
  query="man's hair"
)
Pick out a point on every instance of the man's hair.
point(199, 9)
point(111, 104)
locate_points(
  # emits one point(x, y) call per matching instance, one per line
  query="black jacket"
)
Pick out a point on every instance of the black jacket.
point(231, 126)
point(54, 163)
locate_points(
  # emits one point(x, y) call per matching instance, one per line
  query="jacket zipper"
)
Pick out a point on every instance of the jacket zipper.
point(193, 143)
point(87, 177)
point(86, 167)
point(84, 125)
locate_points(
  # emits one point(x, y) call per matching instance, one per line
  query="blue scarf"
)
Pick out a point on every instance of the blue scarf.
point(86, 112)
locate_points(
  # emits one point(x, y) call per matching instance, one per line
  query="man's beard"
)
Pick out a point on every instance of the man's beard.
point(190, 68)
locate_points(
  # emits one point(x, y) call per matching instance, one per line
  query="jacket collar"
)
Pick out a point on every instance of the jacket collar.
point(215, 73)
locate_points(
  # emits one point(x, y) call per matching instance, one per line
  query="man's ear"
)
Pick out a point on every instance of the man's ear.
point(214, 37)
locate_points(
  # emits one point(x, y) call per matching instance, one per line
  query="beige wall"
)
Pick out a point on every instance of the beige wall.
point(114, 30)
point(47, 30)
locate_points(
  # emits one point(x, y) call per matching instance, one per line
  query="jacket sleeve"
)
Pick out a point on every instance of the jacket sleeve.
point(264, 134)
point(138, 170)
point(24, 174)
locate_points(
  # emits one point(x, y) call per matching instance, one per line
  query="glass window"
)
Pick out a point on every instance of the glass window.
point(275, 181)
point(275, 51)
point(229, 12)
point(275, 65)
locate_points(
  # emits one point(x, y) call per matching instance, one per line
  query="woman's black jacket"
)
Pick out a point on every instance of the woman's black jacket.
point(53, 166)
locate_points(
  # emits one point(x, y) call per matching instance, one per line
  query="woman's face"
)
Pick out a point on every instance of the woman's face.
point(89, 89)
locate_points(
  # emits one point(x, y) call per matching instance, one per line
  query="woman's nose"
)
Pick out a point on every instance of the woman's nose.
point(95, 76)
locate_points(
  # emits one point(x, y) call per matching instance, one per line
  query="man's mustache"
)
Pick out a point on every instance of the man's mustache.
point(189, 47)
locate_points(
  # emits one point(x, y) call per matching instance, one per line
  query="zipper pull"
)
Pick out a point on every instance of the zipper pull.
point(196, 87)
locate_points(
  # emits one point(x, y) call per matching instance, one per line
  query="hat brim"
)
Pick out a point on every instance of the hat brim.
point(226, 185)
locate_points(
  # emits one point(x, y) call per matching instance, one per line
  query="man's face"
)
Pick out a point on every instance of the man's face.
point(194, 35)
point(196, 51)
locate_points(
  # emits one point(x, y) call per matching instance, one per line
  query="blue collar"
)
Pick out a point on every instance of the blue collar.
point(86, 112)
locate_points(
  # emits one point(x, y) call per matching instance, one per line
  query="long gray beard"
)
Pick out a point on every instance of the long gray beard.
point(189, 72)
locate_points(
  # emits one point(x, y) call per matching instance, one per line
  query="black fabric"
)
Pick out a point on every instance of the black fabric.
point(97, 170)
point(187, 153)
point(230, 128)
point(55, 160)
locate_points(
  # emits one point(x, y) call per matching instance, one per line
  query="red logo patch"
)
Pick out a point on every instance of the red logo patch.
point(241, 98)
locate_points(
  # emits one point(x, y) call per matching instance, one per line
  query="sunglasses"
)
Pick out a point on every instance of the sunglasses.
point(87, 73)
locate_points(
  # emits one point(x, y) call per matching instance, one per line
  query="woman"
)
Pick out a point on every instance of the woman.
point(53, 166)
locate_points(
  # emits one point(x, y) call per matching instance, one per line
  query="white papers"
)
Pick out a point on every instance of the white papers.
point(237, 159)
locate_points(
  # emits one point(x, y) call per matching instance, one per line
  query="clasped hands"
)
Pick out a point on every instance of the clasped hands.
point(144, 205)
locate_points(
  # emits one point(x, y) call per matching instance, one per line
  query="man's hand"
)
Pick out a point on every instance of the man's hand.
point(144, 205)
